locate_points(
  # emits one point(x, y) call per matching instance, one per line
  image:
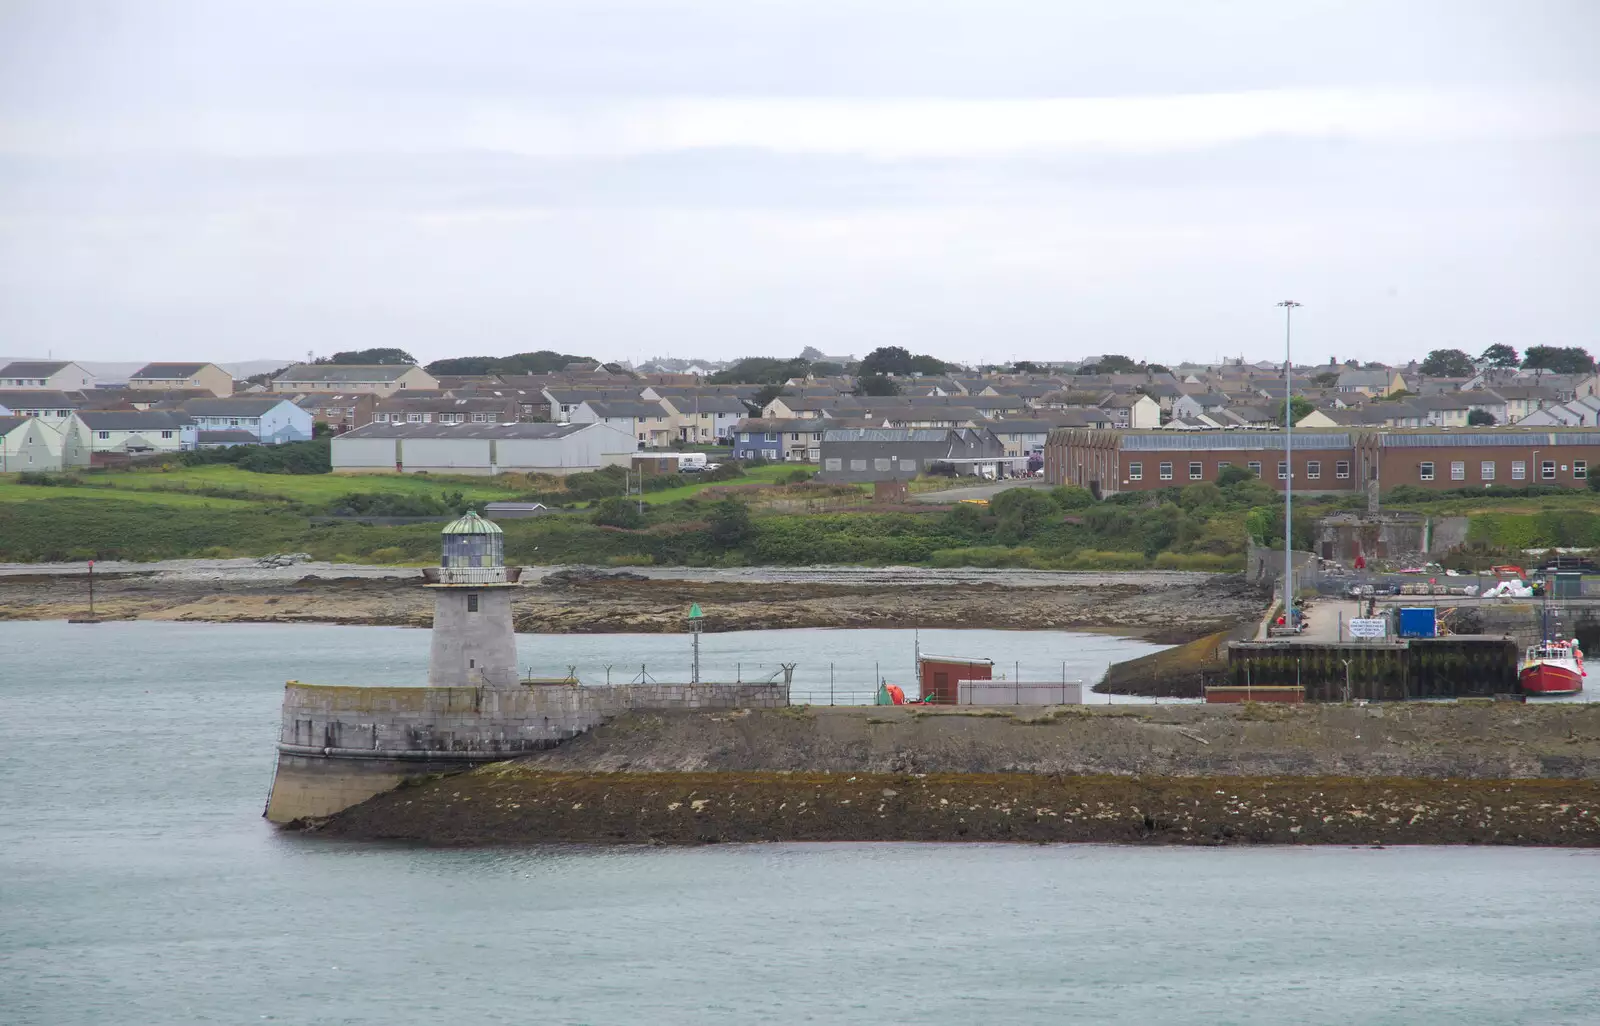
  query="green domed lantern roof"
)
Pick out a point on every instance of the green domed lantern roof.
point(471, 523)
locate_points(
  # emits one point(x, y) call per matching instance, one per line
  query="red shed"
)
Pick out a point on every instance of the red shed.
point(938, 675)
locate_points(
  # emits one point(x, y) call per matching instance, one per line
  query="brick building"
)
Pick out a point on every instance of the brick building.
point(1324, 461)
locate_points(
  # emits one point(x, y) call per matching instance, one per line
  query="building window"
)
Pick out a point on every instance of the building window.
point(858, 464)
point(1283, 470)
point(1136, 472)
point(1426, 471)
point(1486, 470)
point(832, 464)
point(1458, 470)
point(166, 434)
point(1547, 470)
point(1519, 470)
point(1222, 464)
point(1580, 469)
point(1166, 471)
point(105, 434)
point(771, 435)
point(1196, 471)
point(1314, 470)
point(909, 465)
point(472, 603)
point(1254, 467)
point(880, 464)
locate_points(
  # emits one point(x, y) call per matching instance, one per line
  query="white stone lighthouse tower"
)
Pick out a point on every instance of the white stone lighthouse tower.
point(473, 643)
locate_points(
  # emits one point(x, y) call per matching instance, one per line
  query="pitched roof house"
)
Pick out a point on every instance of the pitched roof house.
point(379, 379)
point(167, 376)
point(56, 375)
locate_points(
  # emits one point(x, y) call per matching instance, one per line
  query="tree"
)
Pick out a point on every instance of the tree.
point(1020, 513)
point(370, 356)
point(1447, 363)
point(886, 360)
point(760, 370)
point(766, 393)
point(876, 384)
point(1499, 355)
point(542, 362)
point(1299, 408)
point(811, 354)
point(1232, 475)
point(1156, 368)
point(824, 369)
point(1325, 379)
point(1114, 363)
point(616, 511)
point(729, 524)
point(1558, 359)
point(1480, 418)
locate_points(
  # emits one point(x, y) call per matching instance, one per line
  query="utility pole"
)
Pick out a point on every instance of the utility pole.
point(1288, 462)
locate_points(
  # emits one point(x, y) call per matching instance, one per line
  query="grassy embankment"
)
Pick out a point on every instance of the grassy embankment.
point(225, 510)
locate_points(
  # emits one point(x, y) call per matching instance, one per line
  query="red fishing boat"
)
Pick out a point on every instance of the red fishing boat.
point(1552, 667)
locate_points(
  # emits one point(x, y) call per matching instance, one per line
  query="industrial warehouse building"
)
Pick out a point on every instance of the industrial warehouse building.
point(1107, 462)
point(873, 454)
point(481, 448)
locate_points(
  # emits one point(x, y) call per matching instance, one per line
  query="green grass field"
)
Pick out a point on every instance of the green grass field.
point(308, 488)
point(10, 492)
point(755, 475)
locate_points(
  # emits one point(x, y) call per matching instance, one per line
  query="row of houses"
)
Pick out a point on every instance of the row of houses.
point(1107, 462)
point(60, 437)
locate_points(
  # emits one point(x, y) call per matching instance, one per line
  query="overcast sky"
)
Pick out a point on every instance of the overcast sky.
point(1044, 179)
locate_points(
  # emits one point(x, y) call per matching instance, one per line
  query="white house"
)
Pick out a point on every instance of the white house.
point(269, 419)
point(646, 423)
point(1133, 410)
point(481, 449)
point(26, 444)
point(137, 432)
point(55, 375)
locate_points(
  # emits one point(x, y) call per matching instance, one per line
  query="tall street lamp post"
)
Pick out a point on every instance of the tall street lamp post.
point(1288, 463)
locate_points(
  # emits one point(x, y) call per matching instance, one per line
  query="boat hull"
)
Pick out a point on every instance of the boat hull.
point(1550, 678)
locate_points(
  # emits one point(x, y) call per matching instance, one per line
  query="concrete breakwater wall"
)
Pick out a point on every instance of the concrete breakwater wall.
point(1414, 773)
point(340, 744)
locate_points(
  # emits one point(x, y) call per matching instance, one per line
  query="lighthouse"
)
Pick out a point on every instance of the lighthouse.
point(473, 642)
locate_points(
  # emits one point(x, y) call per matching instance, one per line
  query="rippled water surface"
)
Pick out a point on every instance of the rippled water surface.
point(138, 884)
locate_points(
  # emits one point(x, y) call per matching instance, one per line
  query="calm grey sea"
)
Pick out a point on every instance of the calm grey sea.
point(138, 883)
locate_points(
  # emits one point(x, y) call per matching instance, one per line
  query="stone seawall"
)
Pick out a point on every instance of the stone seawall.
point(1414, 773)
point(343, 744)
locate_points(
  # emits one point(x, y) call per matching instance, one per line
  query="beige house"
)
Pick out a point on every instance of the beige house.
point(377, 378)
point(53, 375)
point(171, 376)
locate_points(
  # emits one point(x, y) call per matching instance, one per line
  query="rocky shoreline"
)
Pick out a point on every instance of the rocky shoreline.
point(517, 804)
point(1417, 773)
point(1165, 608)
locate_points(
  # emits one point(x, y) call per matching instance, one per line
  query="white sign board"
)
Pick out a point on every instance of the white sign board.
point(1376, 627)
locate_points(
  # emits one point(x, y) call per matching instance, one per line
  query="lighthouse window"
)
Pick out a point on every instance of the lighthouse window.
point(472, 603)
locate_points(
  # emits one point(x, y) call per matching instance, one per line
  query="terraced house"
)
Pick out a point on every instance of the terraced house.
point(164, 377)
point(378, 379)
point(268, 420)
